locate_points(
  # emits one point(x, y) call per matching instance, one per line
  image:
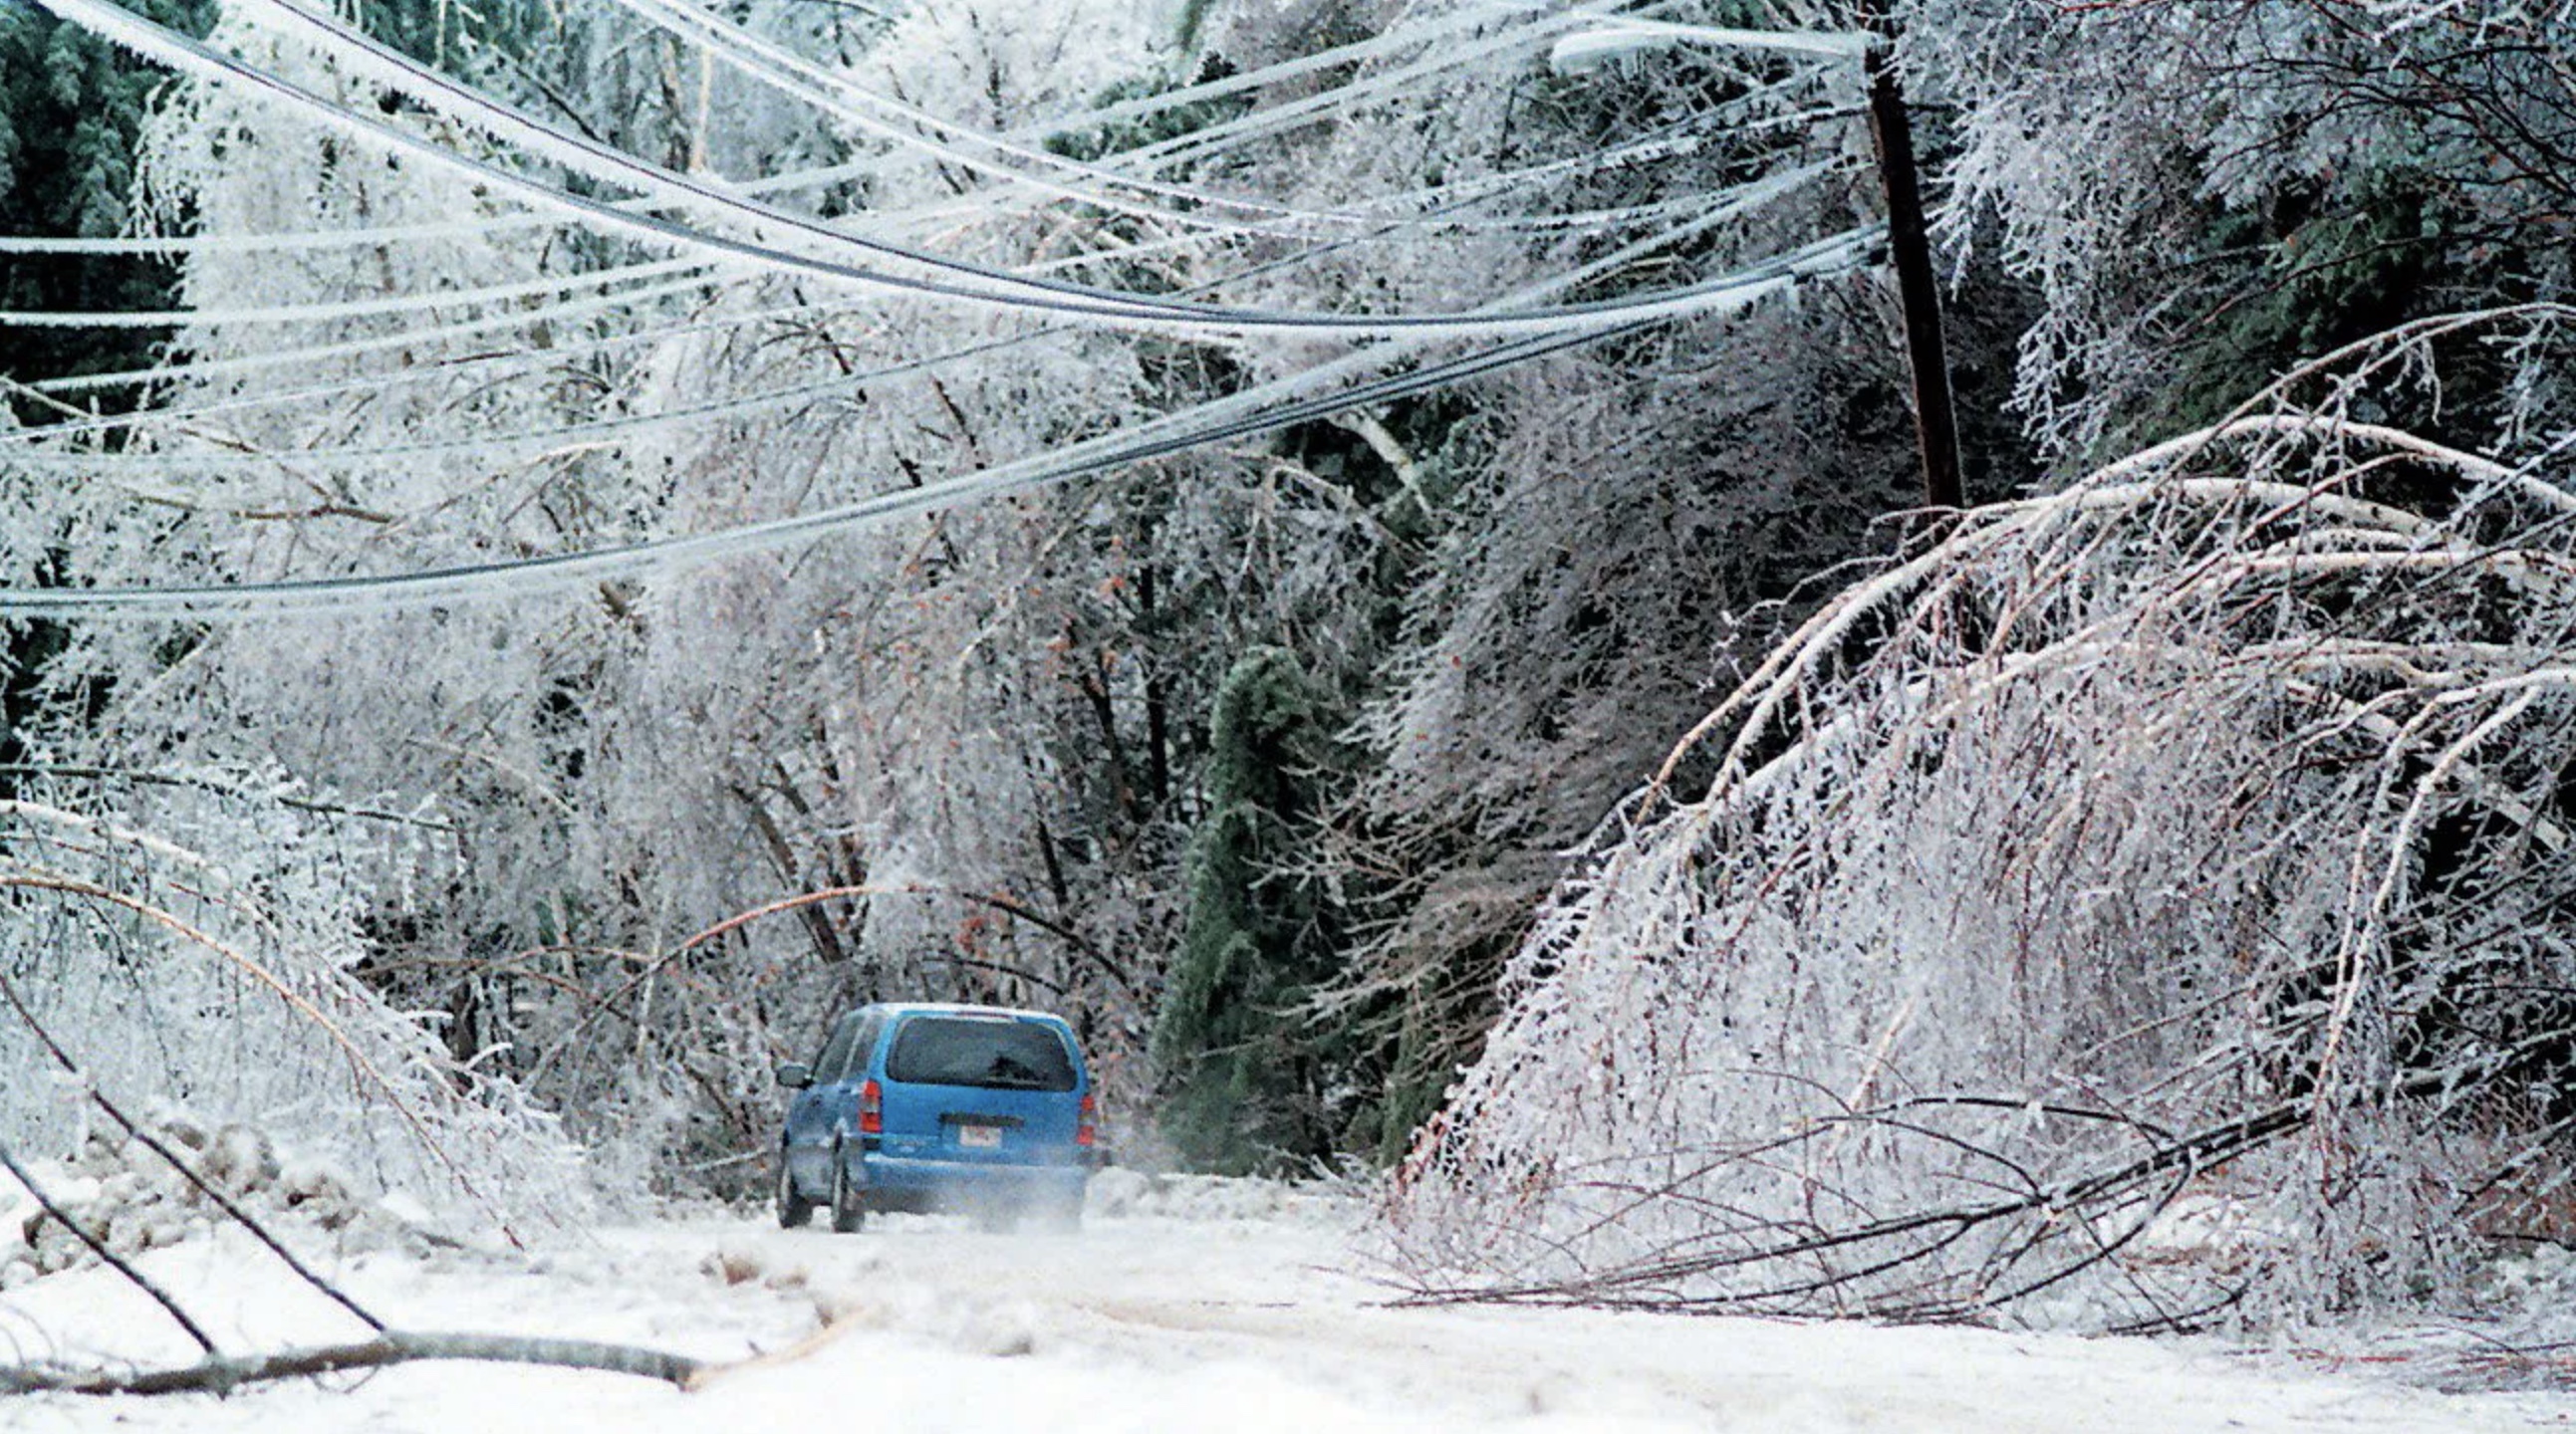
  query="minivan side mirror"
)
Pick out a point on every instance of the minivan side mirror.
point(795, 1074)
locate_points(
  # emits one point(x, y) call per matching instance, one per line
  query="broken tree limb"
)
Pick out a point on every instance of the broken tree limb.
point(218, 1374)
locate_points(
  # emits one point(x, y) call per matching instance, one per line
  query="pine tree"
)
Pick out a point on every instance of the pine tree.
point(70, 106)
point(1249, 1076)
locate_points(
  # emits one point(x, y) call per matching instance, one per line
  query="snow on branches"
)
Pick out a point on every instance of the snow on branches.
point(2199, 191)
point(2135, 903)
point(229, 992)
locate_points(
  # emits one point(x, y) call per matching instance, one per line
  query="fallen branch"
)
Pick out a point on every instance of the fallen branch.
point(220, 1374)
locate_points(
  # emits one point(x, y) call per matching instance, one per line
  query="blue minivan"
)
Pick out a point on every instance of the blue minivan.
point(918, 1106)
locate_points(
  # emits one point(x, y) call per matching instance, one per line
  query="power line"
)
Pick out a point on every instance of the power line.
point(1110, 307)
point(1142, 107)
point(1733, 204)
point(1278, 404)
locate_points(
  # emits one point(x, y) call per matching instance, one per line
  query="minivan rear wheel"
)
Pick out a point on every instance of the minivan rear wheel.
point(848, 1213)
point(793, 1209)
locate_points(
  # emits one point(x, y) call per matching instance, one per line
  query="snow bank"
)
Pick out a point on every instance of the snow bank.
point(132, 1200)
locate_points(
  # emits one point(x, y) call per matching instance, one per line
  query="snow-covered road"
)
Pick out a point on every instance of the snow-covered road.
point(1244, 1319)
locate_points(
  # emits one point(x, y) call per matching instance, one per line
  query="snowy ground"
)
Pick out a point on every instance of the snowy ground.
point(1210, 1314)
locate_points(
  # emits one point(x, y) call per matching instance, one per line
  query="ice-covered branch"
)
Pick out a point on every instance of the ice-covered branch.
point(2220, 792)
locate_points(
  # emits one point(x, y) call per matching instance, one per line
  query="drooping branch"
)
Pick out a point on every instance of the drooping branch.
point(648, 968)
point(2191, 797)
point(302, 1004)
point(107, 1256)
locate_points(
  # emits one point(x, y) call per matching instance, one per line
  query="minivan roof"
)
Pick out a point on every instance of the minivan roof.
point(961, 1008)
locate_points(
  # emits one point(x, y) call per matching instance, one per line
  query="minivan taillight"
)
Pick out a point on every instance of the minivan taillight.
point(1086, 1130)
point(871, 1109)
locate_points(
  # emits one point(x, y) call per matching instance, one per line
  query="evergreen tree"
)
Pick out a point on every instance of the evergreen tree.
point(70, 107)
point(1249, 1076)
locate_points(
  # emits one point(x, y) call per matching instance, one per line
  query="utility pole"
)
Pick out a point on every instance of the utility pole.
point(1909, 250)
point(1909, 241)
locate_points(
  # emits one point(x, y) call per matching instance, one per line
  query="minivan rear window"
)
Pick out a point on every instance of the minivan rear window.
point(998, 1055)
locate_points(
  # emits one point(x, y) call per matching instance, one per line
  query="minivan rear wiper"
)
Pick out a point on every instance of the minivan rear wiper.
point(999, 1080)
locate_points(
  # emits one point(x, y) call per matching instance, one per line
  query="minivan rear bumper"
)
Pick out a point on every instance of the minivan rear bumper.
point(909, 1182)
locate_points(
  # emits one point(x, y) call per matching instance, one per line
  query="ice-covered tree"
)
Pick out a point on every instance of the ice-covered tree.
point(2129, 905)
point(955, 755)
point(2204, 192)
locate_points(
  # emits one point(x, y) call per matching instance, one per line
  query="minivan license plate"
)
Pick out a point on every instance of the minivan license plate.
point(986, 1137)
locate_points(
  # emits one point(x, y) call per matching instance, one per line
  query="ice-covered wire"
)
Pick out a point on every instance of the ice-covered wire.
point(1427, 215)
point(1440, 201)
point(309, 354)
point(534, 576)
point(1201, 142)
point(1280, 403)
point(505, 445)
point(838, 96)
point(151, 246)
point(1746, 199)
point(1673, 139)
point(340, 309)
point(959, 280)
point(1733, 201)
point(596, 161)
point(1393, 40)
point(1680, 137)
point(1106, 307)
